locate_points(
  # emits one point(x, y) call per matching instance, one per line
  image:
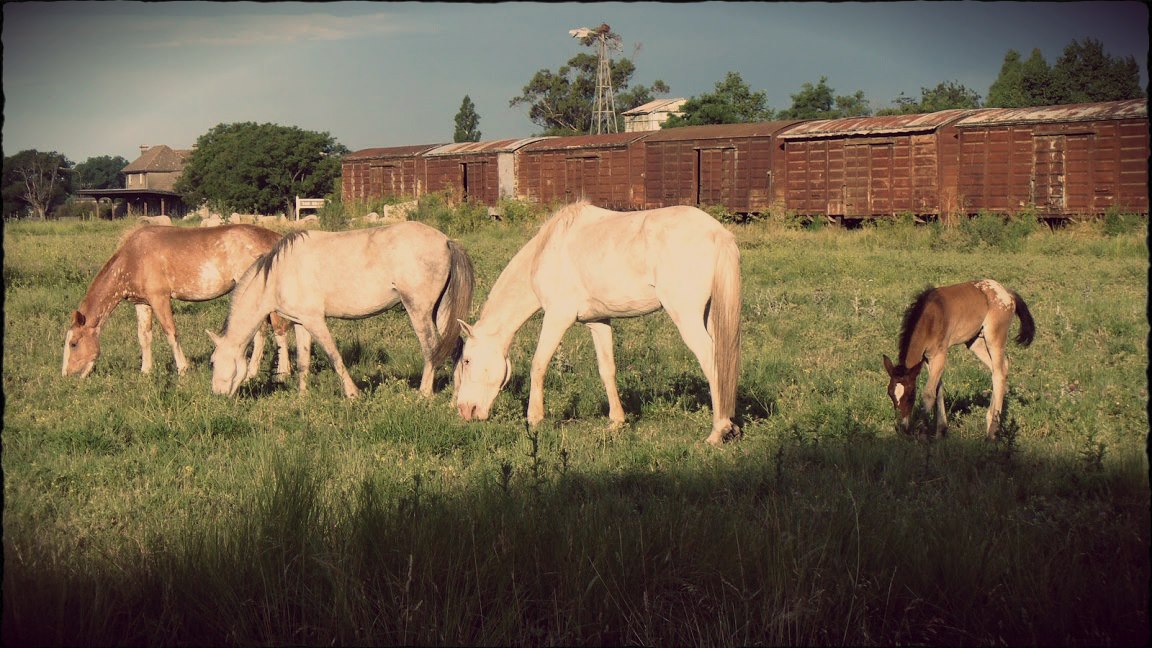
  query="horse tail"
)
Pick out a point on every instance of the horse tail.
point(724, 323)
point(1027, 325)
point(455, 303)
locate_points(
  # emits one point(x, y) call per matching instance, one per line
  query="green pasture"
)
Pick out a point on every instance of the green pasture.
point(143, 510)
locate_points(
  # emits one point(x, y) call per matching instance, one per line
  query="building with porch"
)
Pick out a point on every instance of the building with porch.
point(148, 184)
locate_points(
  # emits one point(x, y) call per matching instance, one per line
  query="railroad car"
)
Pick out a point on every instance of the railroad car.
point(482, 172)
point(607, 170)
point(384, 172)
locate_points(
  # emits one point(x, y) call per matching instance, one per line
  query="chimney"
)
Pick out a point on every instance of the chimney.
point(144, 148)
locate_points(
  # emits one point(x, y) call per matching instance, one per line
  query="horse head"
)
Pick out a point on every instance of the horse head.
point(81, 347)
point(481, 373)
point(902, 391)
point(229, 366)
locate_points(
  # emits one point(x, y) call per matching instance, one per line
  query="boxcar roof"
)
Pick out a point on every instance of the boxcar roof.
point(587, 141)
point(1129, 109)
point(476, 148)
point(884, 125)
point(390, 152)
point(717, 131)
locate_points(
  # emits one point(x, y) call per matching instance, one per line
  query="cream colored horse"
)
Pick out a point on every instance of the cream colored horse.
point(590, 265)
point(976, 314)
point(312, 275)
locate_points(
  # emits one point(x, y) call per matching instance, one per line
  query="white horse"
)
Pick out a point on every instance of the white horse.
point(590, 265)
point(311, 275)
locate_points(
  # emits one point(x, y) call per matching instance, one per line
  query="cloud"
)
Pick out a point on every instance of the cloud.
point(264, 29)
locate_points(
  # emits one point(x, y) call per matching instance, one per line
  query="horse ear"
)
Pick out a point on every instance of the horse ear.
point(78, 318)
point(467, 328)
point(212, 336)
point(888, 366)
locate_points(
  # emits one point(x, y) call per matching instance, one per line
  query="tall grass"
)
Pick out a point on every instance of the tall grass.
point(143, 510)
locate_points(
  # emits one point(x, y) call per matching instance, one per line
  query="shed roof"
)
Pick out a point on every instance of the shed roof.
point(718, 131)
point(1128, 109)
point(390, 152)
point(158, 159)
point(587, 141)
point(666, 105)
point(478, 148)
point(884, 125)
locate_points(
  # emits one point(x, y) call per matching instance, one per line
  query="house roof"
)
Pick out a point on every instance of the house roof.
point(159, 159)
point(665, 105)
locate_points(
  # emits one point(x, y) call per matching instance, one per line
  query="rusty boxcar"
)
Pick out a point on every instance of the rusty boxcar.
point(482, 172)
point(862, 167)
point(1061, 161)
point(379, 172)
point(607, 170)
point(729, 164)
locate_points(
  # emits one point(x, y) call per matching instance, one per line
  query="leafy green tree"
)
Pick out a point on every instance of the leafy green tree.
point(36, 181)
point(1086, 73)
point(1022, 83)
point(467, 122)
point(560, 102)
point(820, 102)
point(103, 172)
point(944, 96)
point(259, 168)
point(733, 102)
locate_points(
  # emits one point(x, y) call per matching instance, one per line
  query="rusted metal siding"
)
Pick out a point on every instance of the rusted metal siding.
point(377, 173)
point(472, 170)
point(606, 170)
point(1061, 161)
point(861, 167)
point(730, 165)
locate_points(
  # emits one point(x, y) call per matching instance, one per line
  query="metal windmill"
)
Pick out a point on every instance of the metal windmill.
point(604, 106)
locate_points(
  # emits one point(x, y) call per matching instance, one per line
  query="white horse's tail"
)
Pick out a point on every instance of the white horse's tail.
point(724, 324)
point(455, 303)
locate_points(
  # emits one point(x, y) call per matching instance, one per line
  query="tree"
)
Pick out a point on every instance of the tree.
point(467, 122)
point(259, 168)
point(1022, 83)
point(35, 180)
point(820, 102)
point(1085, 73)
point(945, 96)
point(733, 102)
point(560, 102)
point(103, 172)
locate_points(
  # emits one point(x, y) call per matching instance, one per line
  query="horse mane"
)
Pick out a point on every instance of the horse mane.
point(265, 262)
point(911, 318)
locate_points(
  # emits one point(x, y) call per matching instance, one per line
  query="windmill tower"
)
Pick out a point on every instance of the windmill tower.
point(604, 106)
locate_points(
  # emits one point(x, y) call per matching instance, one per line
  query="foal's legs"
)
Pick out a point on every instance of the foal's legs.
point(993, 357)
point(552, 330)
point(144, 335)
point(933, 397)
point(606, 363)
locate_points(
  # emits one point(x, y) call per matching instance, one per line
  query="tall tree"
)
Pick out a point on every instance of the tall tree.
point(103, 172)
point(36, 181)
point(945, 96)
point(467, 122)
point(560, 102)
point(1086, 73)
point(733, 102)
point(820, 102)
point(1023, 83)
point(259, 168)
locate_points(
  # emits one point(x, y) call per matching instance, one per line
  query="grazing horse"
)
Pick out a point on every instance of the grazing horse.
point(311, 275)
point(155, 264)
point(590, 265)
point(976, 314)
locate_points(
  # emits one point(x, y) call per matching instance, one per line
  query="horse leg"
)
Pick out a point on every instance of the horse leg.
point(320, 333)
point(698, 340)
point(425, 328)
point(606, 363)
point(551, 332)
point(993, 357)
point(303, 355)
point(933, 397)
point(144, 335)
point(280, 334)
point(163, 309)
point(257, 354)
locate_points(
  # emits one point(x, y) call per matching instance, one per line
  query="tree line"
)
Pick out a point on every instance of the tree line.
point(260, 168)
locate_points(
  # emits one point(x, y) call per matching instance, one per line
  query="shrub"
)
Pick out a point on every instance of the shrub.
point(333, 217)
point(1116, 221)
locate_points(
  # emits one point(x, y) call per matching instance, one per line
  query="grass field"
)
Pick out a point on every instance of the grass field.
point(143, 510)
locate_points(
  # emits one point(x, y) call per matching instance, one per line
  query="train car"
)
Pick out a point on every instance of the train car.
point(729, 165)
point(862, 167)
point(376, 173)
point(482, 172)
point(1059, 161)
point(607, 170)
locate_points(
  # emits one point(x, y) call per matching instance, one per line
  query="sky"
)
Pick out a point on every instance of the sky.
point(103, 78)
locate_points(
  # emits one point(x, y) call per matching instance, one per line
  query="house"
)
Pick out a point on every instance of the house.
point(148, 183)
point(649, 116)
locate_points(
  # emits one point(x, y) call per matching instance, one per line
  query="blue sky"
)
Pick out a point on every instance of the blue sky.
point(102, 78)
